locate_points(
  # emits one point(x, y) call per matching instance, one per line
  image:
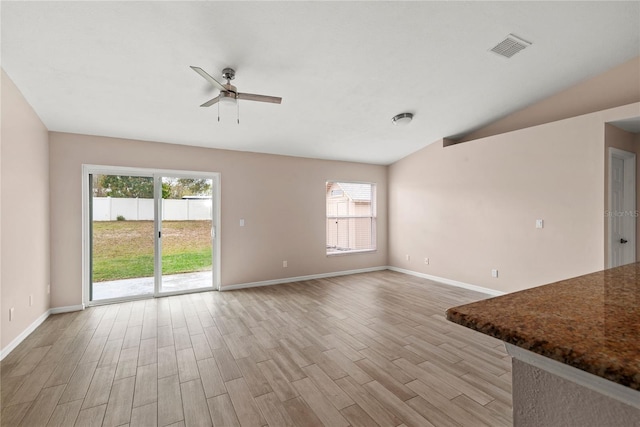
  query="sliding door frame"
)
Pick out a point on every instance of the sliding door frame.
point(157, 175)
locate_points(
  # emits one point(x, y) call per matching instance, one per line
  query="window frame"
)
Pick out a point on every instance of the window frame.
point(374, 215)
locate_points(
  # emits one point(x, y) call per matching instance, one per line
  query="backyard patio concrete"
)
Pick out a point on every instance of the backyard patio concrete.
point(144, 285)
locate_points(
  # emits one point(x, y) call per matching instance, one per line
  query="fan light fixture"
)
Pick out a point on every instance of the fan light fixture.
point(228, 98)
point(229, 94)
point(402, 119)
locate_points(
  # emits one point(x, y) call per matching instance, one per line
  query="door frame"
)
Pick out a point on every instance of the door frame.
point(156, 174)
point(629, 203)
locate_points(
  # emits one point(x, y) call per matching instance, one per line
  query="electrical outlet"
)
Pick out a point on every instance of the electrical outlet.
point(284, 264)
point(426, 261)
point(408, 257)
point(494, 273)
point(241, 222)
point(11, 314)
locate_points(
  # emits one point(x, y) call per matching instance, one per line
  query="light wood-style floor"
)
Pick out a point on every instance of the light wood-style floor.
point(362, 350)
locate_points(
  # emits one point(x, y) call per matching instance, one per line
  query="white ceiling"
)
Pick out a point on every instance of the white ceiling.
point(630, 125)
point(343, 69)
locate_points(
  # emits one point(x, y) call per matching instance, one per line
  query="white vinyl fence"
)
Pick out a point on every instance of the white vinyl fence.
point(109, 208)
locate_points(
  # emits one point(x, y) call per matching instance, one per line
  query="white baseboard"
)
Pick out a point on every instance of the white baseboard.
point(67, 309)
point(488, 291)
point(300, 278)
point(24, 334)
point(442, 280)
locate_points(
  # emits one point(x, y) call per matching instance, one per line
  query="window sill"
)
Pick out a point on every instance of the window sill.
point(342, 253)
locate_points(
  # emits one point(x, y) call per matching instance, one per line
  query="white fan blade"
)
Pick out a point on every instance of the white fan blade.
point(208, 78)
point(211, 102)
point(260, 98)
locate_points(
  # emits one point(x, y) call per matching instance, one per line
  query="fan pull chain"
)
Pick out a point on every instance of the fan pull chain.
point(218, 110)
point(238, 104)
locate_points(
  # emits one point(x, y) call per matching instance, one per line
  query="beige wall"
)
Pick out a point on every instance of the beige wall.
point(618, 86)
point(25, 231)
point(280, 225)
point(472, 207)
point(618, 138)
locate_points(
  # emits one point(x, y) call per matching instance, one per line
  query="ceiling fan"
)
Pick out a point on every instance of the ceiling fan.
point(229, 92)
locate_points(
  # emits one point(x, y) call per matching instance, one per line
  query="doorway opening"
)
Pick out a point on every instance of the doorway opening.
point(622, 211)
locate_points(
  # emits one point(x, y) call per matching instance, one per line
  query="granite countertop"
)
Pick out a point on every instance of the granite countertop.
point(590, 322)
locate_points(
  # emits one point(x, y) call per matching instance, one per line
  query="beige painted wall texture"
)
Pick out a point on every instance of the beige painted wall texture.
point(282, 200)
point(472, 207)
point(544, 399)
point(618, 86)
point(25, 231)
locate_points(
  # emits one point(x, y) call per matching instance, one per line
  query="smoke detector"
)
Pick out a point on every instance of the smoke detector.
point(510, 46)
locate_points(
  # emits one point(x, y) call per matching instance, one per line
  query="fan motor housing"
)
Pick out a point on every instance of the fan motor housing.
point(230, 91)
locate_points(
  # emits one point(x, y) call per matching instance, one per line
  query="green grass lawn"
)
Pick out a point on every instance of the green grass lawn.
point(124, 249)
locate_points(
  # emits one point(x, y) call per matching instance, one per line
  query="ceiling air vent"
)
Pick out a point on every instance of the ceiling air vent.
point(510, 46)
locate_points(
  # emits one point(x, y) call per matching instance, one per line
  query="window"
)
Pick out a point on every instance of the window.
point(351, 217)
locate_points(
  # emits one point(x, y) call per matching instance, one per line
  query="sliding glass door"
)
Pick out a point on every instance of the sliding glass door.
point(148, 233)
point(186, 232)
point(122, 235)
